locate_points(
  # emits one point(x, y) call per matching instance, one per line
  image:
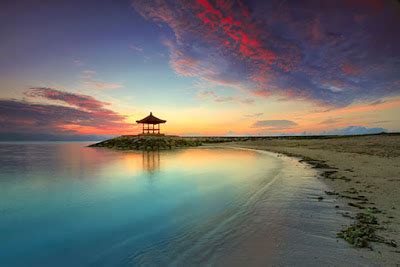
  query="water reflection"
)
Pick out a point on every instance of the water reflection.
point(151, 161)
point(77, 205)
point(64, 204)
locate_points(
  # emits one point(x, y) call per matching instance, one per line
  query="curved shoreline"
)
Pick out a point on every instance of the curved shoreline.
point(316, 222)
point(355, 191)
point(337, 167)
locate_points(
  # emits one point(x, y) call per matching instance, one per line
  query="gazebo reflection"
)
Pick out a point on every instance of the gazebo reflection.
point(151, 161)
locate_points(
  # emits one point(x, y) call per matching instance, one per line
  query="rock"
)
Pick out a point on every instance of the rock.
point(149, 143)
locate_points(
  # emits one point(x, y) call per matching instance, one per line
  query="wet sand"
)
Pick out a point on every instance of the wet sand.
point(363, 166)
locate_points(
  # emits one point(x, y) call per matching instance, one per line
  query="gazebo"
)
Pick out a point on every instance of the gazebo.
point(151, 120)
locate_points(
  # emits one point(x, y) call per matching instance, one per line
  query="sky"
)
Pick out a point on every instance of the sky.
point(77, 70)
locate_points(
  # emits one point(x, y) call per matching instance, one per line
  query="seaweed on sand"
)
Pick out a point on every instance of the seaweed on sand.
point(363, 231)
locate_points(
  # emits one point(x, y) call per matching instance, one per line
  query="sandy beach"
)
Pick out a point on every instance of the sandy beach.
point(362, 172)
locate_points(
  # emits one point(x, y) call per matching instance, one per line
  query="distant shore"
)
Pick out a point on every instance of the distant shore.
point(364, 172)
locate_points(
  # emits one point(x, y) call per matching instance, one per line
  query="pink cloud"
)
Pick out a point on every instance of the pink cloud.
point(82, 115)
point(101, 85)
point(77, 100)
point(241, 34)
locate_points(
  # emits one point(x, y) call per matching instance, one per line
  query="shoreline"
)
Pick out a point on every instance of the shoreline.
point(357, 180)
point(314, 218)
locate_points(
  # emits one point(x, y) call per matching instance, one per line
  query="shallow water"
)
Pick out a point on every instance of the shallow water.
point(64, 204)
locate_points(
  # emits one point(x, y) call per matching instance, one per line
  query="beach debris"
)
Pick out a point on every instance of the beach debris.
point(346, 179)
point(361, 198)
point(317, 164)
point(331, 193)
point(328, 174)
point(357, 234)
point(352, 190)
point(355, 205)
point(331, 175)
point(367, 218)
point(347, 215)
point(363, 231)
point(373, 210)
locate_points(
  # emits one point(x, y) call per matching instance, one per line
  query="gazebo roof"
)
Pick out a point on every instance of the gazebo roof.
point(151, 120)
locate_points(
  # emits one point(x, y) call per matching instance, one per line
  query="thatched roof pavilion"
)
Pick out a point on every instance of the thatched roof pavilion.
point(151, 120)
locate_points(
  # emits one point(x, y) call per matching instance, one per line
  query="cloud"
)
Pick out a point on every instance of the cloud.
point(88, 74)
point(77, 100)
point(274, 124)
point(101, 85)
point(317, 53)
point(79, 114)
point(223, 99)
point(78, 62)
point(254, 115)
point(354, 130)
point(382, 122)
point(136, 48)
point(89, 81)
point(331, 121)
point(12, 136)
point(350, 69)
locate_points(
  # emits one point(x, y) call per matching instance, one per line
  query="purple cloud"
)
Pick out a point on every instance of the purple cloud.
point(82, 115)
point(333, 53)
point(77, 100)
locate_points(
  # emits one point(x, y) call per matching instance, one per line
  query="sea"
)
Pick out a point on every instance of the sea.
point(67, 204)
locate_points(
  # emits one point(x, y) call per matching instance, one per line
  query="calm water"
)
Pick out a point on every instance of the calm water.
point(63, 204)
